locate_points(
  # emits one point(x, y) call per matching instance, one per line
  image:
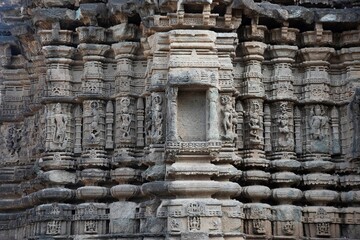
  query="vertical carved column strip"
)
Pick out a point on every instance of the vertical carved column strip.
point(140, 140)
point(78, 125)
point(171, 95)
point(129, 119)
point(94, 162)
point(213, 122)
point(267, 128)
point(298, 132)
point(284, 164)
point(316, 96)
point(109, 125)
point(335, 131)
point(257, 214)
point(125, 101)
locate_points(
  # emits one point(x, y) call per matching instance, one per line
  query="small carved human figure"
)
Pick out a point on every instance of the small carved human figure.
point(230, 118)
point(255, 123)
point(13, 140)
point(283, 123)
point(194, 223)
point(94, 126)
point(317, 123)
point(125, 117)
point(60, 121)
point(157, 118)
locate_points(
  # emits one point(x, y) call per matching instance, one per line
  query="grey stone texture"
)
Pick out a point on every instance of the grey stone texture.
point(179, 120)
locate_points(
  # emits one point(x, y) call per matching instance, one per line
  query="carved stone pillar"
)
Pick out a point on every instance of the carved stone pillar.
point(253, 93)
point(349, 115)
point(129, 124)
point(319, 220)
point(93, 86)
point(257, 217)
point(314, 93)
point(125, 103)
point(59, 126)
point(94, 157)
point(283, 144)
point(58, 60)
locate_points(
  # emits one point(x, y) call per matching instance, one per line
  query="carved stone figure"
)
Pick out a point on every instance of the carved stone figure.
point(230, 118)
point(60, 120)
point(148, 119)
point(13, 139)
point(255, 123)
point(94, 126)
point(171, 95)
point(125, 117)
point(318, 129)
point(317, 123)
point(157, 118)
point(285, 139)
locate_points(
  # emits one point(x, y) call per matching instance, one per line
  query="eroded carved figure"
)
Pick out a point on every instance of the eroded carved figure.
point(94, 125)
point(285, 140)
point(229, 118)
point(13, 138)
point(125, 117)
point(157, 118)
point(60, 120)
point(255, 122)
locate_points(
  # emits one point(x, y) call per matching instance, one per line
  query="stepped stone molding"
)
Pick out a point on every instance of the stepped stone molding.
point(179, 120)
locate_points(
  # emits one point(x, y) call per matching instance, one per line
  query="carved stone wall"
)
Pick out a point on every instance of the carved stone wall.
point(179, 120)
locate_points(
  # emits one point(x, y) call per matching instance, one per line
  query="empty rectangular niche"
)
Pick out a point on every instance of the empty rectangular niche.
point(191, 117)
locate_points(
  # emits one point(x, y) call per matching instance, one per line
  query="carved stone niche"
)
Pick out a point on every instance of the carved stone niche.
point(53, 219)
point(193, 218)
point(192, 116)
point(321, 222)
point(287, 222)
point(90, 218)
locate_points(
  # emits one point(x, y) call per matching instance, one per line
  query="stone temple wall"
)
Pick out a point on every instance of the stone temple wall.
point(179, 120)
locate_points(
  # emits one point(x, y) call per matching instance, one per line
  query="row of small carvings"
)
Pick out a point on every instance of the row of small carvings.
point(92, 34)
point(100, 212)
